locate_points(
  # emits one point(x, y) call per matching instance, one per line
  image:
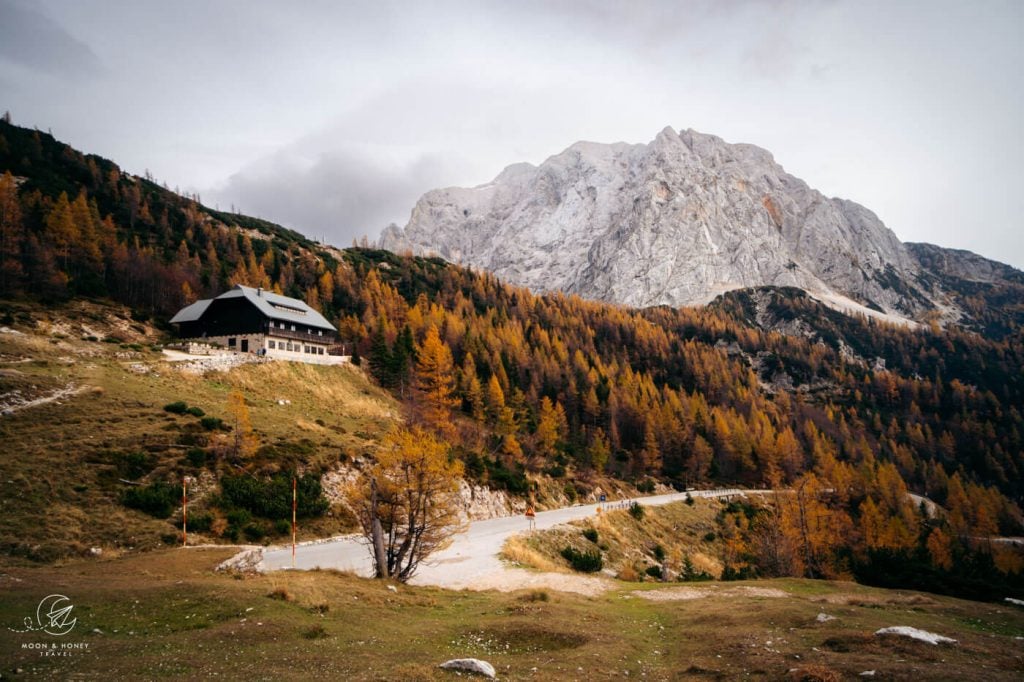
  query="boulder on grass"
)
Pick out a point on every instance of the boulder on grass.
point(471, 665)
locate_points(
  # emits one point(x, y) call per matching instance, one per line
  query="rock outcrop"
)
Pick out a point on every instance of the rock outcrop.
point(676, 222)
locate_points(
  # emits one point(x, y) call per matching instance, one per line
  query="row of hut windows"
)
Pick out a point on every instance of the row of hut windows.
point(295, 347)
point(282, 325)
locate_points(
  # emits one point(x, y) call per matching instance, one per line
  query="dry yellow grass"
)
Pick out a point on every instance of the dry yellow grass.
point(60, 481)
point(628, 545)
point(517, 550)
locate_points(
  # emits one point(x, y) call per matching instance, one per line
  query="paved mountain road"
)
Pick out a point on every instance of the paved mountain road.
point(471, 561)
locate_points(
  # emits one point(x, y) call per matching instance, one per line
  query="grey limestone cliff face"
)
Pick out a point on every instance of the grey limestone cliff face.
point(673, 222)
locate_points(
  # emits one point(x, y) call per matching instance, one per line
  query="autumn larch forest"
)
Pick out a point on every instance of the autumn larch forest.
point(849, 416)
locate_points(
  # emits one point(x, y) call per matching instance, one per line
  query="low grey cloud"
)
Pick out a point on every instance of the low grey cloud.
point(31, 39)
point(339, 195)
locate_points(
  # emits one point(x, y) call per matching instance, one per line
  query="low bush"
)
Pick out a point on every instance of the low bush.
point(212, 423)
point(177, 407)
point(741, 573)
point(238, 517)
point(629, 574)
point(636, 510)
point(157, 499)
point(196, 411)
point(315, 632)
point(280, 593)
point(658, 552)
point(654, 572)
point(535, 595)
point(646, 486)
point(514, 481)
point(254, 532)
point(590, 534)
point(555, 471)
point(200, 523)
point(272, 499)
point(132, 465)
point(283, 527)
point(584, 562)
point(196, 457)
point(690, 574)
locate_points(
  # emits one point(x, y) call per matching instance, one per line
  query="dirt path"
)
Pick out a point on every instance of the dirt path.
point(18, 404)
point(471, 561)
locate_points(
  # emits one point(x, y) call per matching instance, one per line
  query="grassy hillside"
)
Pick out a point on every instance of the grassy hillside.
point(70, 461)
point(166, 615)
point(661, 537)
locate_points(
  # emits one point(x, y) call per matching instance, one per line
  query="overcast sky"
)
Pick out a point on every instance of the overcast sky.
point(334, 117)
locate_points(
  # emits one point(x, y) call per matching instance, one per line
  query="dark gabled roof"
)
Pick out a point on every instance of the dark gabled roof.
point(192, 312)
point(274, 306)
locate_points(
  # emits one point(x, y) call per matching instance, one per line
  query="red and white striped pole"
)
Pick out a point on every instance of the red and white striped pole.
point(294, 505)
point(184, 511)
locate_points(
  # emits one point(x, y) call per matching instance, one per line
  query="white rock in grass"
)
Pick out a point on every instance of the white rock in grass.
point(824, 617)
point(914, 633)
point(473, 665)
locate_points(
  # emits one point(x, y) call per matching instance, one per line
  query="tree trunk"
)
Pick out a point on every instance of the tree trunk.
point(380, 557)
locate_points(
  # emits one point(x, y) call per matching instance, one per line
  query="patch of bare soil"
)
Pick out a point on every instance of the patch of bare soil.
point(872, 601)
point(688, 593)
point(512, 579)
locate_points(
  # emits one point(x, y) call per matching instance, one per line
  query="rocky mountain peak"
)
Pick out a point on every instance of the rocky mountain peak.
point(674, 222)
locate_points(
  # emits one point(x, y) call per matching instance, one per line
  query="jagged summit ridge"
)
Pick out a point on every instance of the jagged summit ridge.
point(676, 221)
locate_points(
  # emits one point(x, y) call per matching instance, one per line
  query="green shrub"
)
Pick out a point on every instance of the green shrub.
point(157, 499)
point(646, 486)
point(584, 562)
point(196, 411)
point(709, 537)
point(283, 527)
point(654, 572)
point(689, 499)
point(590, 534)
point(555, 471)
point(177, 407)
point(239, 517)
point(201, 522)
point(212, 423)
point(196, 457)
point(513, 481)
point(570, 491)
point(272, 499)
point(134, 465)
point(254, 532)
point(636, 510)
point(659, 552)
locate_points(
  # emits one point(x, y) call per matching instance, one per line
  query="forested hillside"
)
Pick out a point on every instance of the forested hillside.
point(764, 388)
